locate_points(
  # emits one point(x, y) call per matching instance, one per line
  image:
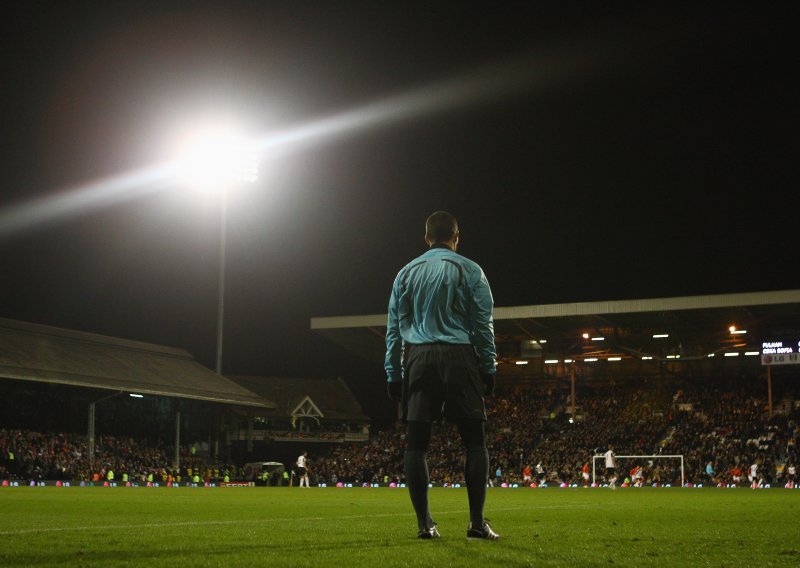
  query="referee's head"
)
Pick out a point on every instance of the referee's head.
point(441, 228)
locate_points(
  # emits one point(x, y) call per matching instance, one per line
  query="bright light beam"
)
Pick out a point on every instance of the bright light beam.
point(490, 82)
point(98, 195)
point(531, 72)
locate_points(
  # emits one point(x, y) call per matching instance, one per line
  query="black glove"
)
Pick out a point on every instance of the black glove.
point(395, 390)
point(488, 384)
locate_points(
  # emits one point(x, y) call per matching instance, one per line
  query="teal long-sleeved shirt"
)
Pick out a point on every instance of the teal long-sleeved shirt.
point(440, 297)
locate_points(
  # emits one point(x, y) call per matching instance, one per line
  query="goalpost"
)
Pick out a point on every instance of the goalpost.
point(620, 474)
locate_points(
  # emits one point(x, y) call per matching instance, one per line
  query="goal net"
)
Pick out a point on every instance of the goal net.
point(661, 468)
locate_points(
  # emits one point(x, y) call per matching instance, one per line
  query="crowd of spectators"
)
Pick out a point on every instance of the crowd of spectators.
point(723, 421)
point(37, 455)
point(723, 424)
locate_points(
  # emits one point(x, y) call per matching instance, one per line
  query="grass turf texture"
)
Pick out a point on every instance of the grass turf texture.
point(376, 527)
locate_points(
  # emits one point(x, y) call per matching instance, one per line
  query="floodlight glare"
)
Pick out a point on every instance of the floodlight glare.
point(134, 395)
point(216, 157)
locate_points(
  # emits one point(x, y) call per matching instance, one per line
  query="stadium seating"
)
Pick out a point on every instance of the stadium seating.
point(723, 421)
point(719, 420)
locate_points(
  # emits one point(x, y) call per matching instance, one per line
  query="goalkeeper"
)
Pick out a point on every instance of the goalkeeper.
point(440, 309)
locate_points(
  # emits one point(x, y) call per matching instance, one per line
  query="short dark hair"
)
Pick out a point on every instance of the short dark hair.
point(441, 226)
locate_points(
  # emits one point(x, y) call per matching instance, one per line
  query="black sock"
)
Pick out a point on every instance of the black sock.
point(417, 479)
point(476, 472)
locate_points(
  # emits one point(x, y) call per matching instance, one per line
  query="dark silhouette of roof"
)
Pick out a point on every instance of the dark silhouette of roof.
point(34, 352)
point(332, 397)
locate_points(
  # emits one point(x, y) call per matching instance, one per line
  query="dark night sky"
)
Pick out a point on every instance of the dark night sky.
point(640, 153)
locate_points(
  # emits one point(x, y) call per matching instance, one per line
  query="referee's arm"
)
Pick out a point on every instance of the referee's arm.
point(394, 342)
point(482, 324)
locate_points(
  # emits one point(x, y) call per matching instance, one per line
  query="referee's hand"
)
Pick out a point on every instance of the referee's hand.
point(395, 390)
point(488, 384)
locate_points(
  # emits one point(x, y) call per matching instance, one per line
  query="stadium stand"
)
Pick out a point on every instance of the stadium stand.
point(33, 352)
point(710, 409)
point(306, 409)
point(659, 376)
point(723, 421)
point(30, 455)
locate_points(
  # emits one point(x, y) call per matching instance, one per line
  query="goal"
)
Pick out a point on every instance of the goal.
point(622, 469)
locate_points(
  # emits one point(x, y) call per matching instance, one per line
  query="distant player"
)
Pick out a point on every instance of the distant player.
point(753, 476)
point(540, 473)
point(710, 472)
point(302, 468)
point(585, 474)
point(637, 476)
point(736, 474)
point(791, 474)
point(526, 474)
point(611, 467)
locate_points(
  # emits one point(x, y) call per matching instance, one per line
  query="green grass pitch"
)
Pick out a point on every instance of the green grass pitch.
point(376, 527)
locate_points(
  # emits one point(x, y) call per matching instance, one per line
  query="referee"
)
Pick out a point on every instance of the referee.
point(440, 310)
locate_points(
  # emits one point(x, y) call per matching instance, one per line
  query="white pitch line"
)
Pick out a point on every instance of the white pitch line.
point(270, 520)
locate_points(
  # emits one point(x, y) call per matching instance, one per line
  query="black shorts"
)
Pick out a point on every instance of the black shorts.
point(301, 471)
point(611, 470)
point(442, 380)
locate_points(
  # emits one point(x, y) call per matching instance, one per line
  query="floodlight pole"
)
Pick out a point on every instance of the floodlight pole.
point(221, 299)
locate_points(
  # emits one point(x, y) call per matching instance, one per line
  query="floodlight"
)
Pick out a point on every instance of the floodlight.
point(660, 335)
point(550, 361)
point(215, 157)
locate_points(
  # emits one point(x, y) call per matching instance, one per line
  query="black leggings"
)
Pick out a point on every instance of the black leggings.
point(418, 436)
